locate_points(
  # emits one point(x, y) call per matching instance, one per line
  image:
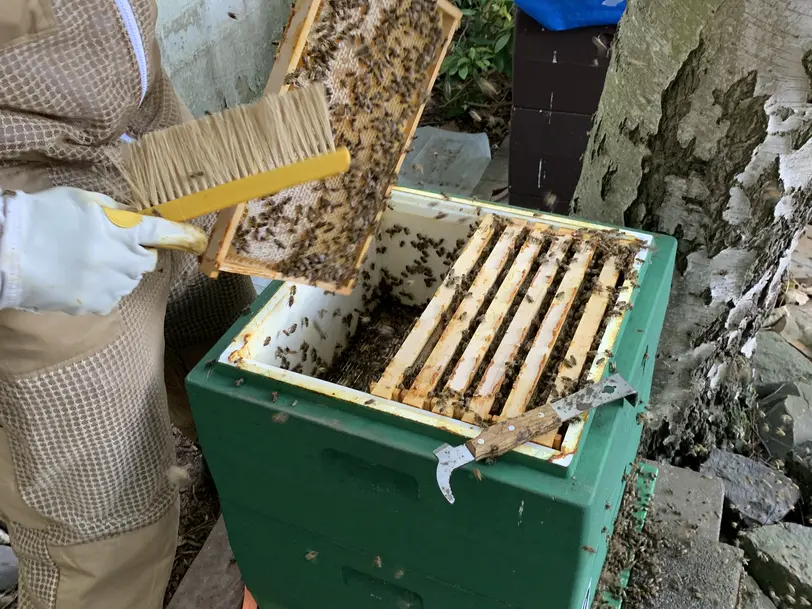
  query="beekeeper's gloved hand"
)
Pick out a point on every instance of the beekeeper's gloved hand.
point(65, 249)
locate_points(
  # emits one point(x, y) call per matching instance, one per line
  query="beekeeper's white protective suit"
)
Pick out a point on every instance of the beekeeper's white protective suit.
point(85, 437)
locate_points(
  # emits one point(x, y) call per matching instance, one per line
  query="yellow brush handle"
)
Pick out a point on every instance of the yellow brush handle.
point(185, 237)
point(256, 186)
point(122, 218)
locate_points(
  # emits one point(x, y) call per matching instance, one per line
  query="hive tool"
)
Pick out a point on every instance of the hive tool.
point(507, 435)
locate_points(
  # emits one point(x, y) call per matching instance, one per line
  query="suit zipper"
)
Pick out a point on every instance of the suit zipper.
point(134, 34)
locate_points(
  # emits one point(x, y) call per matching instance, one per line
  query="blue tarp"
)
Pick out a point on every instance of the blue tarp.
point(570, 14)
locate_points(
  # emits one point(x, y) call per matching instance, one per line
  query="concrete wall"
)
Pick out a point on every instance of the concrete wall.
point(219, 53)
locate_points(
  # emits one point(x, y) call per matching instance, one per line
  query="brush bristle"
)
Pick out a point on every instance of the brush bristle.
point(239, 142)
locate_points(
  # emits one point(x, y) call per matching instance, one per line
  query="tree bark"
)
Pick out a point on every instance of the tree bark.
point(703, 133)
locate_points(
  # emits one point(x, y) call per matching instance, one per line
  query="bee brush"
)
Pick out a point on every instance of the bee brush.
point(240, 154)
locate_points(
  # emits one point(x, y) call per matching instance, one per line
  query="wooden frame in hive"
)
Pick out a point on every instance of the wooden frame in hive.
point(314, 254)
point(516, 324)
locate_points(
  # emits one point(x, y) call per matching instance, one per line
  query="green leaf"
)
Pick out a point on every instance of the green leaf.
point(482, 48)
point(501, 42)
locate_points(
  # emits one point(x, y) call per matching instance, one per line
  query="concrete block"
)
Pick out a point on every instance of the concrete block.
point(758, 492)
point(697, 574)
point(787, 419)
point(751, 596)
point(799, 466)
point(781, 562)
point(688, 501)
point(776, 361)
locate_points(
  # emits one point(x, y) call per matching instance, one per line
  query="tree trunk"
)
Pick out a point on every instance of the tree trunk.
point(703, 133)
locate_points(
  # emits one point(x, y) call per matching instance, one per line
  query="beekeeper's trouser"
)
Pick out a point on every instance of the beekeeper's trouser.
point(85, 436)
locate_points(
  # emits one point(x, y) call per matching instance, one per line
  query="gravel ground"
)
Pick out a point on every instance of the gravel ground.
point(199, 510)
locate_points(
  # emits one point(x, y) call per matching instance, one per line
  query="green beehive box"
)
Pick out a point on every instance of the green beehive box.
point(329, 492)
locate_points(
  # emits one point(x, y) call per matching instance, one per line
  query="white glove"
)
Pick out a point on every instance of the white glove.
point(65, 249)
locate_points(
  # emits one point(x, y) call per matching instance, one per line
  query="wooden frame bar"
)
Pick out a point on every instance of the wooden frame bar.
point(488, 388)
point(437, 342)
point(427, 325)
point(577, 353)
point(537, 358)
point(439, 359)
point(474, 354)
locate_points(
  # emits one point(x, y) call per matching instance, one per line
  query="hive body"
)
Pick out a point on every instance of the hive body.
point(329, 492)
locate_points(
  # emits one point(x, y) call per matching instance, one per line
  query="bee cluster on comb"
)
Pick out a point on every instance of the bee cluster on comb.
point(375, 60)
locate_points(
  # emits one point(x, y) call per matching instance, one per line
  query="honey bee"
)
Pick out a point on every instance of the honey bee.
point(209, 366)
point(644, 418)
point(600, 43)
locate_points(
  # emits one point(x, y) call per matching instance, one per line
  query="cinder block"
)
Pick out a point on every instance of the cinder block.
point(697, 574)
point(688, 501)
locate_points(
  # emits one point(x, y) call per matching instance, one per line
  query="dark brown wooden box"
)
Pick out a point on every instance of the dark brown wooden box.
point(557, 83)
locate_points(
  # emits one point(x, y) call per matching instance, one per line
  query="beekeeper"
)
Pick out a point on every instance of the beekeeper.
point(86, 335)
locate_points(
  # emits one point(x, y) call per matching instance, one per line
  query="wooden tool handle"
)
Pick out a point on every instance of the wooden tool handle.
point(507, 435)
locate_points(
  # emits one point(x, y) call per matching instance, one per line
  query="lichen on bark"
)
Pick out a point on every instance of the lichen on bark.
point(703, 133)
